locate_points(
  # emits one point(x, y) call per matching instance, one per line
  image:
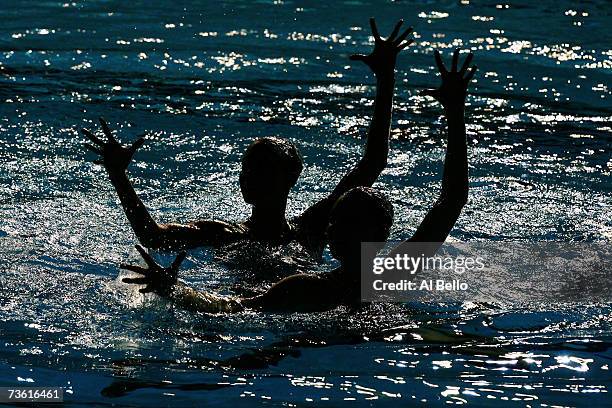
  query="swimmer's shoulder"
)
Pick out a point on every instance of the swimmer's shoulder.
point(301, 292)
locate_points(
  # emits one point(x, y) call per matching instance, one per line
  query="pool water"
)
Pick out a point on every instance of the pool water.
point(200, 80)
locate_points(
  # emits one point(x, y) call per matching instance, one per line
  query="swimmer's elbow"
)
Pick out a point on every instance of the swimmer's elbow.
point(155, 237)
point(461, 200)
point(378, 164)
point(454, 198)
point(453, 205)
point(376, 156)
point(370, 167)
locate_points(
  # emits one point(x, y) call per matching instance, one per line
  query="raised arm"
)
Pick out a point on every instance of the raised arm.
point(116, 159)
point(365, 172)
point(382, 63)
point(441, 218)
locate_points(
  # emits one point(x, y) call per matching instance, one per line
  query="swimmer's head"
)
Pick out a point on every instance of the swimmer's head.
point(270, 168)
point(360, 215)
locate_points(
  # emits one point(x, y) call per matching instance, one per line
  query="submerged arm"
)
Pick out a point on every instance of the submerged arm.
point(195, 301)
point(296, 293)
point(301, 292)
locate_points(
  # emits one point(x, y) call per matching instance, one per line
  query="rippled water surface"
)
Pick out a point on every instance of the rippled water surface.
point(200, 80)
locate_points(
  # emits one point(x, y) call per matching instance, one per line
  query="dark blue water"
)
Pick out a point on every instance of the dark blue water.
point(200, 80)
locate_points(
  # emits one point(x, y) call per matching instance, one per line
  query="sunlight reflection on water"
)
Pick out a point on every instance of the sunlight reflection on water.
point(200, 82)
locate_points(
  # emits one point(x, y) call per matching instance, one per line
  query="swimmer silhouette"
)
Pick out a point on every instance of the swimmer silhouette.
point(270, 168)
point(347, 228)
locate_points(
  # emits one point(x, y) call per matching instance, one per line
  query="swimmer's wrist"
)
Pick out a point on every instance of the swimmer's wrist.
point(167, 292)
point(114, 173)
point(386, 76)
point(455, 110)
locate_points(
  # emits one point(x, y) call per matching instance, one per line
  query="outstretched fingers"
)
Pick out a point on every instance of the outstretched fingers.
point(471, 73)
point(107, 131)
point(137, 144)
point(439, 62)
point(455, 60)
point(94, 149)
point(179, 260)
point(145, 255)
point(147, 289)
point(395, 30)
point(466, 63)
point(92, 138)
point(134, 268)
point(374, 29)
point(136, 281)
point(403, 37)
point(405, 44)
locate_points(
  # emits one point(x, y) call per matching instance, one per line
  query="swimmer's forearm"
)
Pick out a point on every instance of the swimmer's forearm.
point(377, 146)
point(374, 160)
point(442, 217)
point(192, 300)
point(455, 178)
point(144, 226)
point(169, 236)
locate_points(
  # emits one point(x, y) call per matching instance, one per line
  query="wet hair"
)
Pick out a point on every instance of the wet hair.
point(366, 204)
point(276, 151)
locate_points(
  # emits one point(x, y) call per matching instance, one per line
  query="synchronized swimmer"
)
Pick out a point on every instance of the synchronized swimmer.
point(351, 214)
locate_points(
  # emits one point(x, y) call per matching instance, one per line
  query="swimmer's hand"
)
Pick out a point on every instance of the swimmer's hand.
point(113, 156)
point(157, 279)
point(453, 90)
point(382, 59)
